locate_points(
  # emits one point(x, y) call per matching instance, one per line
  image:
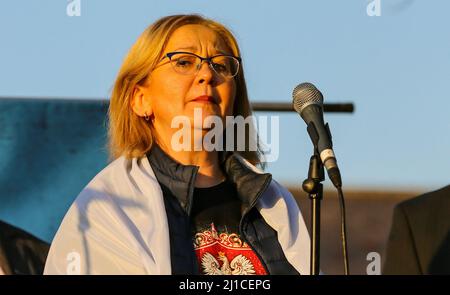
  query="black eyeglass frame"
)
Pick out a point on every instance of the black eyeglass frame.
point(208, 59)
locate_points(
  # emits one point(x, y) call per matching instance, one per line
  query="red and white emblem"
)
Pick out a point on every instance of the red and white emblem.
point(225, 254)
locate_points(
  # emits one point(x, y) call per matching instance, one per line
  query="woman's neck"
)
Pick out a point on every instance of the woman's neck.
point(209, 173)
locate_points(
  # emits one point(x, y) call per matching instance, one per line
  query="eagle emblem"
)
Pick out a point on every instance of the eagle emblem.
point(239, 265)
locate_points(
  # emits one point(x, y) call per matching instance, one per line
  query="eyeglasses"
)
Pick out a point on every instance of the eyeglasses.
point(188, 63)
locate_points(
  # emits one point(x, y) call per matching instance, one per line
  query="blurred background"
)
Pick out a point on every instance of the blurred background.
point(388, 57)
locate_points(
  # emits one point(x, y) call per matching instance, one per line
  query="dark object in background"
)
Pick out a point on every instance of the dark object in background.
point(419, 242)
point(20, 252)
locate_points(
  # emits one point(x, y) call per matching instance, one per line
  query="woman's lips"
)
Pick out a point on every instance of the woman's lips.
point(204, 98)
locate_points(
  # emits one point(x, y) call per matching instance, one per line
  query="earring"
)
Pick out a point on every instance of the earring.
point(146, 117)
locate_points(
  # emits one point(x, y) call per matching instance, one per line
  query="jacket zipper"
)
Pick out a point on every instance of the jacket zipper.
point(241, 232)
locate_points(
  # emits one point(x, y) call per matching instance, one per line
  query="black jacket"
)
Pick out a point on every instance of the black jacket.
point(20, 252)
point(177, 183)
point(419, 242)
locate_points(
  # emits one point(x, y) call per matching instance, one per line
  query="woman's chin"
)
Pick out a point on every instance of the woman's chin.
point(201, 114)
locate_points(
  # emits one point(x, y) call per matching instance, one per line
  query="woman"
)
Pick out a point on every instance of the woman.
point(159, 209)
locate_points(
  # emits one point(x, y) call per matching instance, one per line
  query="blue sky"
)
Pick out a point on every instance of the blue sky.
point(395, 68)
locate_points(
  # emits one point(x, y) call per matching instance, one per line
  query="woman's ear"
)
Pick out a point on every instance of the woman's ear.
point(140, 102)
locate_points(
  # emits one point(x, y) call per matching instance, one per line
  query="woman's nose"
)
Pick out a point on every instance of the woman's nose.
point(205, 73)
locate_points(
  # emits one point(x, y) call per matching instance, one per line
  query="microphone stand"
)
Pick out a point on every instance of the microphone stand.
point(313, 186)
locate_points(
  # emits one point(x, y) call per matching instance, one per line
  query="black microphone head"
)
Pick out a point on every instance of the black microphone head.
point(304, 95)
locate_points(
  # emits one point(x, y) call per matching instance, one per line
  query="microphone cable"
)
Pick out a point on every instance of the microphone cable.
point(343, 230)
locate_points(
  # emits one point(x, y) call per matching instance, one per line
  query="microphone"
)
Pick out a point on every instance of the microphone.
point(308, 103)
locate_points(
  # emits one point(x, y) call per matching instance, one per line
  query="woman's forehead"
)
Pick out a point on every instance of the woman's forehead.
point(195, 38)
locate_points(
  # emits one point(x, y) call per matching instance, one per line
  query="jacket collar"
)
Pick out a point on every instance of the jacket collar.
point(180, 179)
point(20, 252)
point(4, 263)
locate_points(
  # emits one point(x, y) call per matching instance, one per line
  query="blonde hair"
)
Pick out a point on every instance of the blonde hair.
point(130, 135)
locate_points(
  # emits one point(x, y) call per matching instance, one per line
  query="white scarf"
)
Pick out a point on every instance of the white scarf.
point(118, 224)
